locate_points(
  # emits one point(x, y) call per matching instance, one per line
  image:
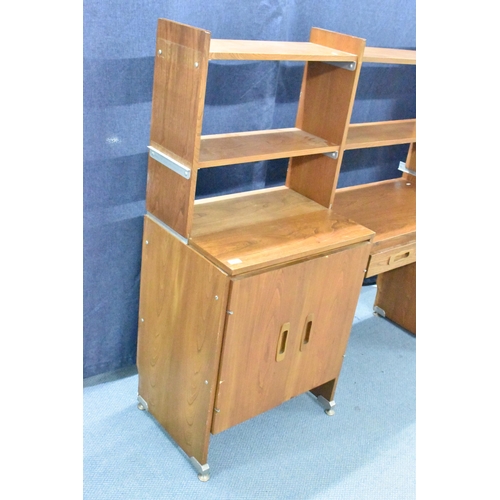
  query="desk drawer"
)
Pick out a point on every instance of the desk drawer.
point(391, 259)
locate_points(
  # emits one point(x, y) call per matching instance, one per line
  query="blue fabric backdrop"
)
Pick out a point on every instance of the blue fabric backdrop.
point(119, 47)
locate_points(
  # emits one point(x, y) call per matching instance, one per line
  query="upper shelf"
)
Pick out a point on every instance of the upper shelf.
point(275, 51)
point(375, 134)
point(242, 147)
point(389, 56)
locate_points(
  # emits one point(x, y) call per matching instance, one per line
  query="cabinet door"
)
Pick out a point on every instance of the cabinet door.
point(286, 332)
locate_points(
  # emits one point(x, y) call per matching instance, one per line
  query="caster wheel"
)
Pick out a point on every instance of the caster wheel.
point(204, 477)
point(141, 406)
point(330, 413)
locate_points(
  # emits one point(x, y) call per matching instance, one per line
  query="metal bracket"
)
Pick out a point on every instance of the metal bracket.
point(325, 404)
point(333, 154)
point(402, 167)
point(169, 162)
point(202, 470)
point(348, 65)
point(379, 311)
point(168, 228)
point(142, 405)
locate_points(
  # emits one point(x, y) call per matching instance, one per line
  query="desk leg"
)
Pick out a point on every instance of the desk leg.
point(396, 296)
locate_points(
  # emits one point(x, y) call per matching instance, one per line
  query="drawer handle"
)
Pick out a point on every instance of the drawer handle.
point(306, 334)
point(400, 256)
point(282, 339)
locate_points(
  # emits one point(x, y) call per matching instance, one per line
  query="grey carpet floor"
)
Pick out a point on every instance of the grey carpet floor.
point(295, 451)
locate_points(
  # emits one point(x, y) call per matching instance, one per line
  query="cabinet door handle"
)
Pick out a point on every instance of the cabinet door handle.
point(282, 340)
point(306, 334)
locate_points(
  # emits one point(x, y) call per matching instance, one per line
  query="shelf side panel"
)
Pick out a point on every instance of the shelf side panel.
point(178, 352)
point(181, 66)
point(325, 108)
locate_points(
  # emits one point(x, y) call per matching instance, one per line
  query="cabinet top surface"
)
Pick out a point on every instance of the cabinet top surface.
point(275, 51)
point(261, 229)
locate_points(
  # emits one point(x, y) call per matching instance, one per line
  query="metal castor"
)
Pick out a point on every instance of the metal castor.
point(330, 412)
point(204, 477)
point(141, 407)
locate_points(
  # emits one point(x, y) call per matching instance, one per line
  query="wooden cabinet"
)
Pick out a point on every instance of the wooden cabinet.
point(286, 332)
point(247, 300)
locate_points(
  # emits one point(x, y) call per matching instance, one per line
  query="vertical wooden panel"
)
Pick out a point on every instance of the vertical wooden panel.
point(396, 295)
point(181, 66)
point(411, 163)
point(325, 107)
point(168, 197)
point(180, 333)
point(324, 289)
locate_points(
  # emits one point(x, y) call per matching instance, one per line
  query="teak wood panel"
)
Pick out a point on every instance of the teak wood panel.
point(391, 258)
point(179, 83)
point(275, 51)
point(390, 56)
point(181, 65)
point(388, 133)
point(168, 195)
point(259, 368)
point(223, 213)
point(386, 207)
point(324, 110)
point(180, 332)
point(265, 244)
point(241, 147)
point(396, 296)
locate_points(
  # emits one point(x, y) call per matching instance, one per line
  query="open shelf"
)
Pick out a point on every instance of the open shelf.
point(260, 229)
point(388, 133)
point(389, 56)
point(386, 207)
point(275, 51)
point(242, 147)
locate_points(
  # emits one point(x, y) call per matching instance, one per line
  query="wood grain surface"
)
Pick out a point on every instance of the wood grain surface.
point(275, 51)
point(386, 207)
point(388, 133)
point(396, 295)
point(325, 107)
point(241, 147)
point(179, 83)
point(182, 309)
point(323, 290)
point(390, 56)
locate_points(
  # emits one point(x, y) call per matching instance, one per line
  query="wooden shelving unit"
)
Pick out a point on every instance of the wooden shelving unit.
point(388, 208)
point(258, 289)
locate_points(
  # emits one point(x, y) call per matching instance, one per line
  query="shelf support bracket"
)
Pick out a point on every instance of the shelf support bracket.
point(348, 65)
point(169, 162)
point(402, 167)
point(333, 154)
